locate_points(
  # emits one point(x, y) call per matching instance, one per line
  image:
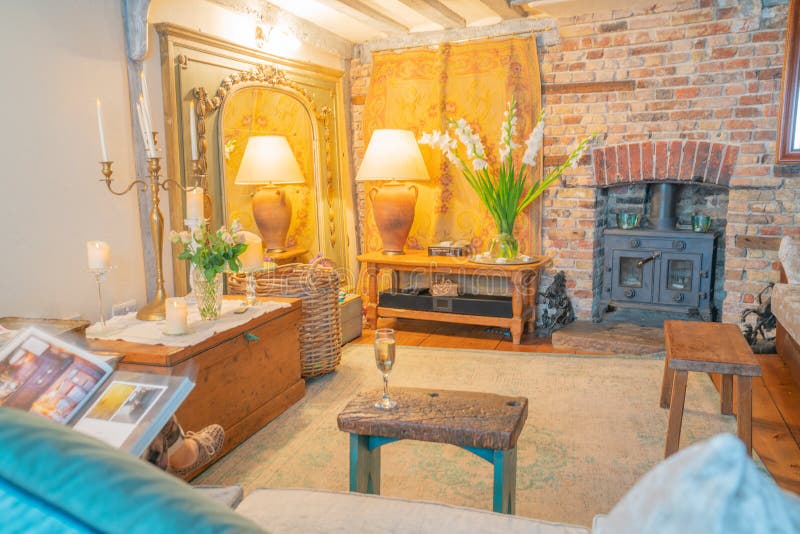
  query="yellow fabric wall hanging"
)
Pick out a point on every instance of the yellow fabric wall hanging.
point(420, 90)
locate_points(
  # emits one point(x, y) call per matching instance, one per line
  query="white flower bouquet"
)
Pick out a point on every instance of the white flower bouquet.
point(503, 193)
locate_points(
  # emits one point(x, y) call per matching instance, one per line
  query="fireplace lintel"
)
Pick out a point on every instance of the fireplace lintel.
point(674, 161)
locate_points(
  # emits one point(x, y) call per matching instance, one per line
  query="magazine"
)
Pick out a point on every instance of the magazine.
point(70, 385)
point(130, 410)
point(42, 374)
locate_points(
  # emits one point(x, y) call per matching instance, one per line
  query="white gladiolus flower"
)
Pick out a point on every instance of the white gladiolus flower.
point(479, 164)
point(441, 141)
point(507, 131)
point(534, 144)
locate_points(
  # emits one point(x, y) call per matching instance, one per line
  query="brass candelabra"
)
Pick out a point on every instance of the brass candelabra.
point(153, 310)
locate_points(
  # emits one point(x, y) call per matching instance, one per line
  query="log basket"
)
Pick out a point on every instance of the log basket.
point(316, 284)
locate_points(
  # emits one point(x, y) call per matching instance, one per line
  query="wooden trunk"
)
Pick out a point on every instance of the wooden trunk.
point(245, 376)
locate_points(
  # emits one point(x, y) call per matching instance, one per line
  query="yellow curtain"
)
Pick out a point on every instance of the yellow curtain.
point(420, 90)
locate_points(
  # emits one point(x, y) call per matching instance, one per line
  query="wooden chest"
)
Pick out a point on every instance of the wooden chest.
point(245, 376)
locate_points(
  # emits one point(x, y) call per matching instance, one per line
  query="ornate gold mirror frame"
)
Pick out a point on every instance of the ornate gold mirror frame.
point(271, 77)
point(193, 61)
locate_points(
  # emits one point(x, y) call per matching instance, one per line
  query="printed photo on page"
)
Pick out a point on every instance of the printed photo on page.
point(114, 416)
point(44, 375)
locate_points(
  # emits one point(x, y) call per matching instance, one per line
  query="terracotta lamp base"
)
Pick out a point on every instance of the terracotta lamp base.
point(393, 208)
point(272, 212)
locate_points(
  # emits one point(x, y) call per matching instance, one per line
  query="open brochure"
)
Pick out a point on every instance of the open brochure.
point(70, 385)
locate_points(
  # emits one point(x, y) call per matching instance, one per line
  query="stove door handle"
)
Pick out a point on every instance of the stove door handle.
point(641, 262)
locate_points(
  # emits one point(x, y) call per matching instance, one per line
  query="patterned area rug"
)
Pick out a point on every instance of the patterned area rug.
point(594, 427)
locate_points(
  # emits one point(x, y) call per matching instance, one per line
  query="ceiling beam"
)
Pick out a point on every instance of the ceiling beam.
point(437, 12)
point(507, 10)
point(365, 14)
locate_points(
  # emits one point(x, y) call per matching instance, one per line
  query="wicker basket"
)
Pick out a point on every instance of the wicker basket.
point(317, 286)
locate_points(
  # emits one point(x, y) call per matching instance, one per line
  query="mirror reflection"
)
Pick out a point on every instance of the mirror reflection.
point(268, 150)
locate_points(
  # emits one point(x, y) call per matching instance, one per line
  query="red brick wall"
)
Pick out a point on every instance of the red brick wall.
point(692, 70)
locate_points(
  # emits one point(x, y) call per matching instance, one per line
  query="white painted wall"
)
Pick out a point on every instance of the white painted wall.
point(57, 57)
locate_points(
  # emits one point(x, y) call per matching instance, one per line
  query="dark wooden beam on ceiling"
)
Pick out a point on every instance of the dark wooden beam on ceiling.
point(437, 12)
point(507, 10)
point(365, 14)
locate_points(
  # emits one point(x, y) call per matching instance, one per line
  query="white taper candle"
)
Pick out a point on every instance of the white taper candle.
point(103, 151)
point(193, 129)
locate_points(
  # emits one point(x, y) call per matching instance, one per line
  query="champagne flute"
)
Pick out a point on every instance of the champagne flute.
point(384, 359)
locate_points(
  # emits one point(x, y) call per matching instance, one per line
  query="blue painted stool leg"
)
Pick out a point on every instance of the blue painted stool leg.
point(505, 481)
point(365, 466)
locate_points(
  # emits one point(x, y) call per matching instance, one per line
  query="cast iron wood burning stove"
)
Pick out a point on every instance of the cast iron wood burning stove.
point(660, 269)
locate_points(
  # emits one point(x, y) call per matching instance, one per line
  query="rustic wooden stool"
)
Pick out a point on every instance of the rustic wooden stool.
point(485, 424)
point(709, 348)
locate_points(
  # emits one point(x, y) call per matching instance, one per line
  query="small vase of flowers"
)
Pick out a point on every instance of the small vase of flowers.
point(211, 253)
point(502, 192)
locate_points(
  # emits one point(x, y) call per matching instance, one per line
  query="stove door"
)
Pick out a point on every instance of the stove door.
point(680, 279)
point(632, 276)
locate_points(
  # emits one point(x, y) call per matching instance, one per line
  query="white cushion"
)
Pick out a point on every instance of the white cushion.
point(712, 487)
point(307, 511)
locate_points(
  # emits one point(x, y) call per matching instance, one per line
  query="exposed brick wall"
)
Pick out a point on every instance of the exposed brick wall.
point(692, 70)
point(702, 70)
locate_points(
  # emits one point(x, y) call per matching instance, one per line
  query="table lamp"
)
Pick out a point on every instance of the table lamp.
point(268, 160)
point(393, 155)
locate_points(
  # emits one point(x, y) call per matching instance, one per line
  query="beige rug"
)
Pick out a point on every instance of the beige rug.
point(594, 427)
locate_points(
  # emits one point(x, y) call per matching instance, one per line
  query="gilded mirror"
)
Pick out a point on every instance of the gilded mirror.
point(236, 92)
point(258, 110)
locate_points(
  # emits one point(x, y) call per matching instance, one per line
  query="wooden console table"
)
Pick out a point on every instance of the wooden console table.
point(524, 285)
point(245, 376)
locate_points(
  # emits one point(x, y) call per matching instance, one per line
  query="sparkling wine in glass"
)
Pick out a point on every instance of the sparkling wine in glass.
point(384, 359)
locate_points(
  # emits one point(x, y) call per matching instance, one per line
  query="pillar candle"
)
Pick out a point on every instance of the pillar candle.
point(177, 322)
point(98, 255)
point(102, 134)
point(194, 204)
point(253, 257)
point(193, 129)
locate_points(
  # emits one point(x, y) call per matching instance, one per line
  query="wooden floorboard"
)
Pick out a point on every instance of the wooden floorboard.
point(784, 391)
point(776, 397)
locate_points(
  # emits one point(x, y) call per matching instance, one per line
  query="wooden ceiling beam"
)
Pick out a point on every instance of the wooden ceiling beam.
point(506, 10)
point(365, 14)
point(437, 12)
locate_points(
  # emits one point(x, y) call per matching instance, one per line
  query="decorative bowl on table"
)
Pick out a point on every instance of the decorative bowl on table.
point(627, 221)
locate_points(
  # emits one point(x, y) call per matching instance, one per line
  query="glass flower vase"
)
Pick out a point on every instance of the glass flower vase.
point(504, 246)
point(208, 295)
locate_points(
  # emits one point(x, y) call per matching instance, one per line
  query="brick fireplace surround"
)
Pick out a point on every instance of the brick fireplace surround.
point(677, 79)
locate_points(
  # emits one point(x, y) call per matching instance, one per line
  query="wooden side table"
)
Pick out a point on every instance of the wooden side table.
point(524, 286)
point(710, 348)
point(485, 424)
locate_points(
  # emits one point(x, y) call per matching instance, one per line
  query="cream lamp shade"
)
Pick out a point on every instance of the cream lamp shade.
point(393, 155)
point(268, 159)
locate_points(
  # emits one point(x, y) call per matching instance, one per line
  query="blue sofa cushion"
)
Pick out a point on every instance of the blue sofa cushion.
point(54, 479)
